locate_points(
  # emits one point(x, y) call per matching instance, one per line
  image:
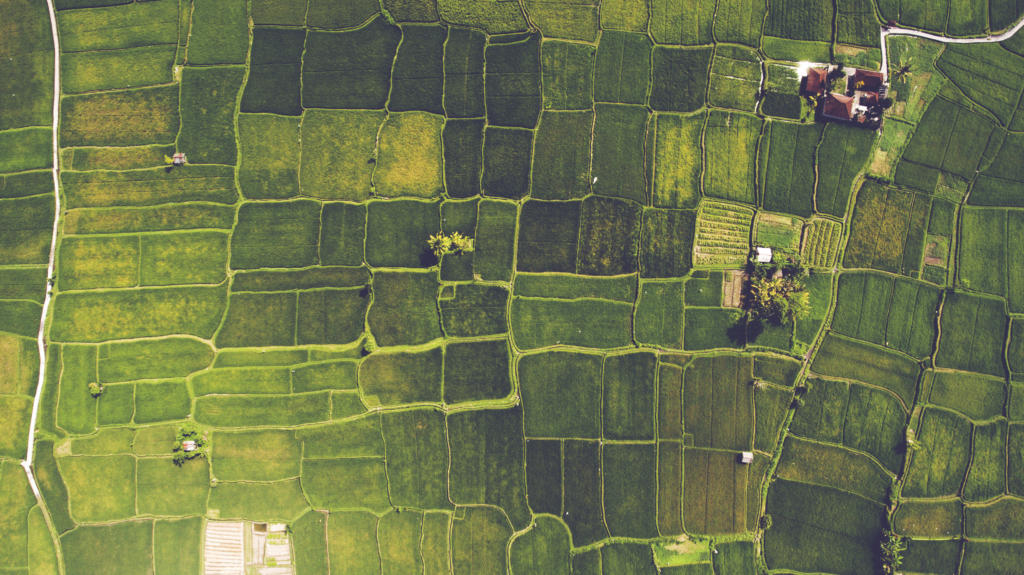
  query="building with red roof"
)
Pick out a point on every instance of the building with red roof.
point(838, 107)
point(815, 82)
point(866, 80)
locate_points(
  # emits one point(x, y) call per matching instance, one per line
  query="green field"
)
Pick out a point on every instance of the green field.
point(584, 379)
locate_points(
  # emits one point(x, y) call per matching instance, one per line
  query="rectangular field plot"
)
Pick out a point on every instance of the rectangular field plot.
point(790, 172)
point(799, 20)
point(677, 160)
point(735, 78)
point(778, 231)
point(417, 459)
point(136, 25)
point(832, 466)
point(820, 529)
point(569, 286)
point(336, 167)
point(716, 486)
point(609, 235)
point(214, 184)
point(740, 21)
point(418, 77)
point(136, 67)
point(719, 402)
point(938, 469)
point(540, 322)
point(581, 472)
point(137, 313)
point(888, 228)
point(409, 160)
point(620, 132)
point(666, 243)
point(567, 72)
point(548, 236)
point(463, 143)
point(404, 311)
point(986, 73)
point(929, 518)
point(269, 159)
point(149, 219)
point(513, 79)
point(397, 232)
point(1001, 182)
point(960, 134)
point(275, 68)
point(463, 73)
point(270, 410)
point(979, 397)
point(848, 359)
point(474, 310)
point(730, 144)
point(860, 417)
point(680, 22)
point(988, 261)
point(659, 314)
point(349, 69)
point(506, 166)
point(973, 334)
point(134, 545)
point(623, 68)
point(487, 467)
point(680, 78)
point(820, 243)
point(630, 489)
point(841, 156)
point(561, 156)
point(553, 380)
point(896, 313)
point(723, 234)
point(576, 21)
point(142, 116)
point(986, 478)
point(402, 377)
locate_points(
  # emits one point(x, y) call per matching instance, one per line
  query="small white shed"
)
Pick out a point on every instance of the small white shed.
point(747, 457)
point(764, 255)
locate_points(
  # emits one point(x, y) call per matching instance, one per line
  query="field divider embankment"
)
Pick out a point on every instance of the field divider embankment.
point(41, 335)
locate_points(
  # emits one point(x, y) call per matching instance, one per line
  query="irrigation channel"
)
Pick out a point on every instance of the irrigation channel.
point(26, 463)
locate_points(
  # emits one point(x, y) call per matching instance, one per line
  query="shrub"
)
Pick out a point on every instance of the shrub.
point(95, 389)
point(893, 547)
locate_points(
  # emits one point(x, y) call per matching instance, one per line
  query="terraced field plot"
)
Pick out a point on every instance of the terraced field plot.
point(582, 391)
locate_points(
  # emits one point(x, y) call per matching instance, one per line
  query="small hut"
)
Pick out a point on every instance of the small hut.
point(179, 159)
point(764, 255)
point(747, 457)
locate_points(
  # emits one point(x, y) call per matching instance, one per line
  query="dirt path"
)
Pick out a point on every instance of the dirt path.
point(897, 31)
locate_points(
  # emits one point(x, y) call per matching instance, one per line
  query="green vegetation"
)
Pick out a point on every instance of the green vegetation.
point(464, 285)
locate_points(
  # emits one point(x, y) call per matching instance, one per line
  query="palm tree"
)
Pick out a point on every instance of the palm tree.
point(903, 69)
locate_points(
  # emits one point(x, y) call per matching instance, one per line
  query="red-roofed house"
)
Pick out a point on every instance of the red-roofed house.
point(866, 80)
point(815, 81)
point(838, 107)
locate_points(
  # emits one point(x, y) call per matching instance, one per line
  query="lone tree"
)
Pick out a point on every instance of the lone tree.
point(777, 293)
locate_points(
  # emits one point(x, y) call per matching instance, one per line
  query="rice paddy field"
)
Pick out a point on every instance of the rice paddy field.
point(580, 392)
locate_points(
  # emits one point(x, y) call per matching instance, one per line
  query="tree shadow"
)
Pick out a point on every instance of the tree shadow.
point(428, 259)
point(737, 332)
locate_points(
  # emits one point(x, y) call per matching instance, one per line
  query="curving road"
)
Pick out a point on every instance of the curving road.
point(897, 31)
